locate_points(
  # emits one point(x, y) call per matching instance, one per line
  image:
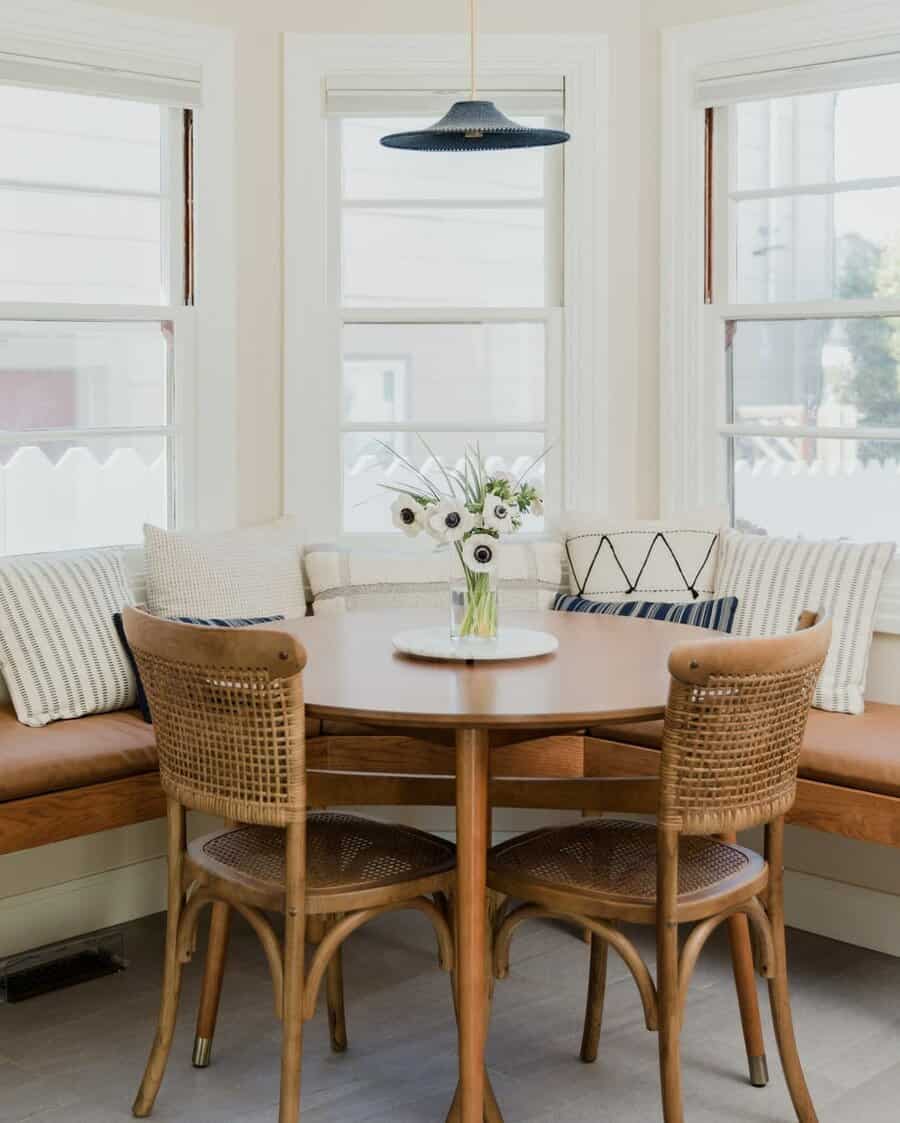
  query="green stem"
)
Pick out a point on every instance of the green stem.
point(480, 618)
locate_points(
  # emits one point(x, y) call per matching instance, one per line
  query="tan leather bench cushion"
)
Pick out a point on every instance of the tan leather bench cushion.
point(859, 751)
point(73, 754)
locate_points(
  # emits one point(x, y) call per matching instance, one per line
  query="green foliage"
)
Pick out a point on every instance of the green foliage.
point(874, 387)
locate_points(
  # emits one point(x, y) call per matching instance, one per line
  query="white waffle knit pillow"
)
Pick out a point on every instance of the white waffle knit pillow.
point(249, 572)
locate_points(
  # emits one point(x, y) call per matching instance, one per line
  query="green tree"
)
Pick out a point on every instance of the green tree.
point(874, 387)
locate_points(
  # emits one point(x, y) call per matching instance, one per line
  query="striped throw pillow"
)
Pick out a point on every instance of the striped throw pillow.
point(717, 614)
point(775, 579)
point(59, 652)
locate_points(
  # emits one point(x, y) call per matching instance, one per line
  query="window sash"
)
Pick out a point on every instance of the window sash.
point(392, 102)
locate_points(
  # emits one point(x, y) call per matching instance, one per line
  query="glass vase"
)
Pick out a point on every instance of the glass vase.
point(473, 605)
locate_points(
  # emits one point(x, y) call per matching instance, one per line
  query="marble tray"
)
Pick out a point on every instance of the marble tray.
point(510, 643)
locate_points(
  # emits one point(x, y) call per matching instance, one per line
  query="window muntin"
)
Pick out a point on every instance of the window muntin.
point(806, 311)
point(448, 285)
point(92, 218)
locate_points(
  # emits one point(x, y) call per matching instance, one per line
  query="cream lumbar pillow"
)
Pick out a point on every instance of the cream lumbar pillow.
point(59, 652)
point(775, 579)
point(530, 576)
point(249, 572)
point(672, 560)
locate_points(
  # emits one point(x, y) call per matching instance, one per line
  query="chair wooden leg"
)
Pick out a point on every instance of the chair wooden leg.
point(748, 998)
point(334, 992)
point(213, 972)
point(779, 995)
point(171, 989)
point(593, 1014)
point(294, 947)
point(670, 1013)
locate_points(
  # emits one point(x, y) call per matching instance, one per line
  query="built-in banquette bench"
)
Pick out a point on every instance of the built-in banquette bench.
point(74, 778)
point(78, 777)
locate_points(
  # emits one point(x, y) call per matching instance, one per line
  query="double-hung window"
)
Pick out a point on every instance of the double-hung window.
point(95, 303)
point(446, 274)
point(803, 288)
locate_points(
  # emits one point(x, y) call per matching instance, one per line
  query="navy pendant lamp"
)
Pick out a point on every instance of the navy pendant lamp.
point(474, 125)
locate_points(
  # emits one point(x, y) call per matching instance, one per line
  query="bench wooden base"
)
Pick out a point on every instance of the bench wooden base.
point(867, 816)
point(384, 770)
point(57, 816)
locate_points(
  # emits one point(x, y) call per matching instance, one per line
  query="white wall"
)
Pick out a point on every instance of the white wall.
point(48, 880)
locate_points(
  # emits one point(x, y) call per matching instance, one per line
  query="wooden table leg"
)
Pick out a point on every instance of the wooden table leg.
point(472, 758)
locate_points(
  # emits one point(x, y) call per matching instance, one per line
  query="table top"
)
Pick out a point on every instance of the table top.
point(606, 668)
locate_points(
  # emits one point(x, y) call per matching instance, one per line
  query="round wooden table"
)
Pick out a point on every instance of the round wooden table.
point(607, 668)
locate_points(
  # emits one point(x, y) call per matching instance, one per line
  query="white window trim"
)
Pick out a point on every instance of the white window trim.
point(311, 382)
point(692, 399)
point(208, 403)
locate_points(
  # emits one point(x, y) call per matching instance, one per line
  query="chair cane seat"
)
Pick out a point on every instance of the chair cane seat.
point(346, 855)
point(606, 867)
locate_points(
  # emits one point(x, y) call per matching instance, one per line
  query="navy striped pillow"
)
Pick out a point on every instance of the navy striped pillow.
point(214, 622)
point(140, 693)
point(716, 614)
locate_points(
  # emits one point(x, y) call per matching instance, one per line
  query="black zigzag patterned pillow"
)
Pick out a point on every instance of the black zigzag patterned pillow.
point(671, 561)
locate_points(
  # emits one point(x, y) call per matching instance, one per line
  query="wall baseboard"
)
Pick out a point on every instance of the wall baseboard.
point(100, 900)
point(849, 913)
point(853, 914)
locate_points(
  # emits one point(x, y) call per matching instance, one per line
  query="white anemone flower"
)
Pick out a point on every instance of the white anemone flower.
point(537, 505)
point(498, 514)
point(407, 515)
point(449, 521)
point(480, 552)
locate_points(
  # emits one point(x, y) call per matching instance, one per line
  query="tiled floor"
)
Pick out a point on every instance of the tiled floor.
point(76, 1056)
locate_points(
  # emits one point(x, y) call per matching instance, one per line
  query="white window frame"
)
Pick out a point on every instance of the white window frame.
point(693, 466)
point(204, 374)
point(312, 421)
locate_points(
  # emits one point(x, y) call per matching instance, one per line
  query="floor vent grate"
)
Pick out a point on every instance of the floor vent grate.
point(61, 965)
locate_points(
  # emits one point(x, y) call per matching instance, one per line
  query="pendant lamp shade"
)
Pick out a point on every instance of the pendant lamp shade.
point(473, 125)
point(470, 126)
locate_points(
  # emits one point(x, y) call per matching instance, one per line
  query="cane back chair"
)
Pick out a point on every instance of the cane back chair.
point(734, 723)
point(229, 719)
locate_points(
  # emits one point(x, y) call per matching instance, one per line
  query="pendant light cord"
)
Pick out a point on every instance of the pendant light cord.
point(473, 55)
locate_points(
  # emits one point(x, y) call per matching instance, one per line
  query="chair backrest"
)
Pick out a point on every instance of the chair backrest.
point(227, 707)
point(734, 725)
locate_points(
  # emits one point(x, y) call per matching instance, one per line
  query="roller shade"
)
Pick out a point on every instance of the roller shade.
point(795, 73)
point(85, 71)
point(379, 96)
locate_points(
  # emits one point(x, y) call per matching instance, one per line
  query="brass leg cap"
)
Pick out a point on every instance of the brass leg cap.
point(759, 1071)
point(202, 1051)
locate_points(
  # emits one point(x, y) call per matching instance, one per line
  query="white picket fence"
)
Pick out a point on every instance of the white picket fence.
point(857, 501)
point(80, 498)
